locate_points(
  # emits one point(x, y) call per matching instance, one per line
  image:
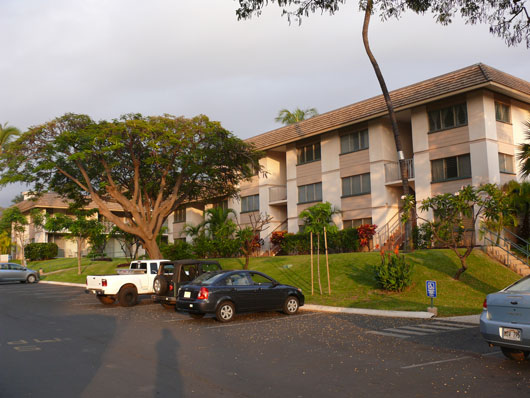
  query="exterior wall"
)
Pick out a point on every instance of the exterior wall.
point(422, 161)
point(382, 150)
point(331, 183)
point(292, 189)
point(484, 150)
point(449, 186)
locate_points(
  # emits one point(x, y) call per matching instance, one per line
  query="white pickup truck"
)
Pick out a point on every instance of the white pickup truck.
point(126, 285)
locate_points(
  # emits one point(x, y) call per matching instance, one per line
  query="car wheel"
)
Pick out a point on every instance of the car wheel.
point(167, 306)
point(107, 300)
point(128, 296)
point(516, 355)
point(160, 285)
point(291, 305)
point(31, 278)
point(196, 316)
point(225, 312)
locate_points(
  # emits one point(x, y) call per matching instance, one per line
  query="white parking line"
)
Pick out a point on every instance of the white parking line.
point(425, 329)
point(434, 363)
point(401, 336)
point(491, 353)
point(403, 331)
point(441, 328)
point(455, 325)
point(265, 320)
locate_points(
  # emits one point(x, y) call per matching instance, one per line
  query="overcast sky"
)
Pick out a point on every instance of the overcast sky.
point(187, 57)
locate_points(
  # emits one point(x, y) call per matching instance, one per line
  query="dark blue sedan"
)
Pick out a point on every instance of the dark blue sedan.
point(225, 293)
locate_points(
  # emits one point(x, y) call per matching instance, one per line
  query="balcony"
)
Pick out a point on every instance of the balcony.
point(277, 195)
point(393, 173)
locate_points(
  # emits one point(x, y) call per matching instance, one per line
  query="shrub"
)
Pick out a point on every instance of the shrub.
point(366, 232)
point(422, 236)
point(293, 244)
point(277, 237)
point(178, 251)
point(344, 241)
point(41, 251)
point(393, 274)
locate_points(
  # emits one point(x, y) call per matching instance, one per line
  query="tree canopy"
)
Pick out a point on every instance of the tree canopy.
point(507, 19)
point(285, 116)
point(146, 165)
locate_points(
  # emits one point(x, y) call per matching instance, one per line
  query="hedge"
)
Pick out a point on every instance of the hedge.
point(41, 251)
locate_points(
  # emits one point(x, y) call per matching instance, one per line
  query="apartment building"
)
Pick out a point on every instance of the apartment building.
point(51, 203)
point(456, 129)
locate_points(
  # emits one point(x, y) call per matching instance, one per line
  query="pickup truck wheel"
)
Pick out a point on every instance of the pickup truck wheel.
point(160, 285)
point(225, 311)
point(128, 296)
point(107, 300)
point(197, 316)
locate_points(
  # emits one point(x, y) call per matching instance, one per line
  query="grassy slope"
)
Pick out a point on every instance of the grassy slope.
point(352, 280)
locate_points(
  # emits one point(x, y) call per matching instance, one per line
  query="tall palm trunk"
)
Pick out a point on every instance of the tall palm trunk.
point(318, 264)
point(390, 107)
point(79, 244)
point(312, 278)
point(327, 261)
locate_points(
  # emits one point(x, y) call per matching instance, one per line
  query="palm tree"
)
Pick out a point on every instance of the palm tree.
point(6, 133)
point(519, 194)
point(287, 117)
point(318, 220)
point(218, 224)
point(524, 154)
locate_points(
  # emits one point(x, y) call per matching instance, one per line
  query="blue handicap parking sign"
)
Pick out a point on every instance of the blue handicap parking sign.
point(431, 288)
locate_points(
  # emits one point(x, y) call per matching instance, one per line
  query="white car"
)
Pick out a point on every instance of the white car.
point(126, 285)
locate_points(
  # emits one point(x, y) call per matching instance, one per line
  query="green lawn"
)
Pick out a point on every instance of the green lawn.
point(352, 280)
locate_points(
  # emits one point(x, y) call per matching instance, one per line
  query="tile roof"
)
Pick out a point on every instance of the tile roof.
point(51, 200)
point(460, 80)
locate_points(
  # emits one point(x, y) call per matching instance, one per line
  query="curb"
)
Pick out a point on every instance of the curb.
point(363, 311)
point(63, 283)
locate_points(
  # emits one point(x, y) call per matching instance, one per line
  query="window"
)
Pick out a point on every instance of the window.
point(240, 279)
point(310, 193)
point(223, 204)
point(356, 185)
point(353, 142)
point(309, 153)
point(502, 112)
point(249, 203)
point(258, 279)
point(505, 163)
point(357, 222)
point(154, 268)
point(451, 168)
point(180, 214)
point(448, 118)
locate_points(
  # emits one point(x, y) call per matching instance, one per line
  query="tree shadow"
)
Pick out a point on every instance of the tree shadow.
point(168, 381)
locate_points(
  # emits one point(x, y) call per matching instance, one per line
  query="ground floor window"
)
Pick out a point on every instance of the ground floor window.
point(310, 193)
point(249, 203)
point(505, 163)
point(355, 223)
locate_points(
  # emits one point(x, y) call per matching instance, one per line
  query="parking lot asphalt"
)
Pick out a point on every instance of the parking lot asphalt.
point(56, 341)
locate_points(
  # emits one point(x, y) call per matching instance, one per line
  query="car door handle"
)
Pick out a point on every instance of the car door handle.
point(514, 302)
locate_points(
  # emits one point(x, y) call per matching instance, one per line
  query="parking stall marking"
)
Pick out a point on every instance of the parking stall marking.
point(419, 365)
point(423, 329)
point(265, 320)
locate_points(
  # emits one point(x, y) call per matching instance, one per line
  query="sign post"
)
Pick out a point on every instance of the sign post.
point(430, 287)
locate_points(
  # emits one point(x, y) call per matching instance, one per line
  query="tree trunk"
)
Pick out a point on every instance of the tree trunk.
point(247, 259)
point(318, 264)
point(312, 279)
point(153, 251)
point(461, 270)
point(327, 261)
point(79, 242)
point(391, 113)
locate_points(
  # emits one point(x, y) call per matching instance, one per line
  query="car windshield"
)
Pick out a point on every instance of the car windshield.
point(520, 286)
point(208, 278)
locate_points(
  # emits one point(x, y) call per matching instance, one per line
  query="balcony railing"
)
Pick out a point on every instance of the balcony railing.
point(393, 173)
point(277, 194)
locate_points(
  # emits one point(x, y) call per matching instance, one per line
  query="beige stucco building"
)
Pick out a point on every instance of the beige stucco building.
point(456, 129)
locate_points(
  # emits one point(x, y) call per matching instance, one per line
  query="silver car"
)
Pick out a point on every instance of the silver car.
point(16, 272)
point(505, 320)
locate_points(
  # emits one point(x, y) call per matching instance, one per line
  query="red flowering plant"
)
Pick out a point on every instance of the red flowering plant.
point(366, 232)
point(277, 237)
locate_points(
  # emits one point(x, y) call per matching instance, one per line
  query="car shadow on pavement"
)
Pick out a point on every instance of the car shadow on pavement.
point(168, 376)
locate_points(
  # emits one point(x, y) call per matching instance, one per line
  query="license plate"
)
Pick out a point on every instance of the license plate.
point(187, 294)
point(511, 334)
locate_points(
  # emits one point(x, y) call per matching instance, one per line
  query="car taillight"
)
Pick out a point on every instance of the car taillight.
point(203, 294)
point(485, 304)
point(104, 282)
point(171, 287)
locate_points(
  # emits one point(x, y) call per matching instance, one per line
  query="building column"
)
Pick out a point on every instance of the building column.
point(292, 189)
point(422, 161)
point(331, 182)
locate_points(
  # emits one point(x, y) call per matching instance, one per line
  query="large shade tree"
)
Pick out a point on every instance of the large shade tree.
point(147, 165)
